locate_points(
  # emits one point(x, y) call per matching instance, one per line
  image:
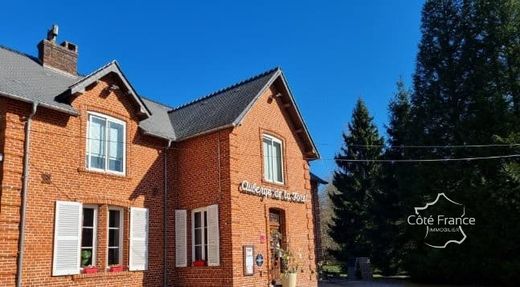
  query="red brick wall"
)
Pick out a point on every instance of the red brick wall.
point(11, 144)
point(198, 183)
point(203, 171)
point(58, 149)
point(249, 216)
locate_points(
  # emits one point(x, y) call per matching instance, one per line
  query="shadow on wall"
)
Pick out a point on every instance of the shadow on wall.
point(2, 144)
point(151, 188)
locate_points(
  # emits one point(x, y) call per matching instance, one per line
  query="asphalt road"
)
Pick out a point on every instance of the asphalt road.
point(374, 283)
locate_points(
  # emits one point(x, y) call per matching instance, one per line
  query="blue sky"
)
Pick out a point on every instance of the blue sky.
point(332, 52)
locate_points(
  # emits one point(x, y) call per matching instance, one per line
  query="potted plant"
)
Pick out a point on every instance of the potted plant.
point(291, 268)
point(86, 256)
point(290, 263)
point(199, 263)
point(115, 268)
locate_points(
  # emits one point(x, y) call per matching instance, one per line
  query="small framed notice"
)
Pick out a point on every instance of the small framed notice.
point(249, 260)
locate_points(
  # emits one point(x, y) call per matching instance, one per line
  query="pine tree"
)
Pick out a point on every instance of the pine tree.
point(466, 90)
point(356, 183)
point(389, 209)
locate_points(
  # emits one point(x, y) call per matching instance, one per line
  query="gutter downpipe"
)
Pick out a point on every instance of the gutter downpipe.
point(21, 243)
point(165, 210)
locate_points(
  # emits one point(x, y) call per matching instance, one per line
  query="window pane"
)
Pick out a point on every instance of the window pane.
point(113, 218)
point(266, 152)
point(88, 217)
point(113, 237)
point(198, 236)
point(87, 237)
point(97, 142)
point(277, 161)
point(198, 252)
point(115, 147)
point(113, 256)
point(197, 220)
point(86, 257)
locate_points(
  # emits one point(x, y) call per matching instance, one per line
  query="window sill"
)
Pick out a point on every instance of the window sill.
point(105, 174)
point(101, 274)
point(274, 184)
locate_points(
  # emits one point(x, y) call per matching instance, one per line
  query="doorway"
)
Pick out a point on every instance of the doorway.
point(277, 241)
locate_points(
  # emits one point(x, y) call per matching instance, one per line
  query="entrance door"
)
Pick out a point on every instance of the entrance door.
point(276, 231)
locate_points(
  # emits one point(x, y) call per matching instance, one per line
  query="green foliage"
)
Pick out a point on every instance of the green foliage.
point(466, 90)
point(85, 257)
point(357, 183)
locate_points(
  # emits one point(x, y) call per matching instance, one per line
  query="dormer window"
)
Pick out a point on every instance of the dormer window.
point(106, 144)
point(273, 159)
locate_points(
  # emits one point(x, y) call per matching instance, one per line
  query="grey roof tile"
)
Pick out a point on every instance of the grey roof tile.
point(23, 77)
point(219, 109)
point(158, 124)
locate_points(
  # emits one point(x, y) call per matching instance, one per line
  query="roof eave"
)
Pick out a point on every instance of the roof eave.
point(51, 107)
point(207, 132)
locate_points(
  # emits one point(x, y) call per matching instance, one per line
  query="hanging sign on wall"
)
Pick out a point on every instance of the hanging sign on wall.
point(267, 192)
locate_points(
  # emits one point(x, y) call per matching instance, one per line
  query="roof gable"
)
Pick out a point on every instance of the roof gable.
point(110, 68)
point(228, 107)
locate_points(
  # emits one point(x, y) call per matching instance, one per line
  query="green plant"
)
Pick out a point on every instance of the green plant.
point(85, 257)
point(289, 260)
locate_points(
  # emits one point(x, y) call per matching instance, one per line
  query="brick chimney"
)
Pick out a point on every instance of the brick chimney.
point(63, 57)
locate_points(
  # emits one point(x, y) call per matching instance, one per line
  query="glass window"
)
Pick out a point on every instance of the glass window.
point(115, 223)
point(200, 234)
point(273, 159)
point(88, 236)
point(105, 144)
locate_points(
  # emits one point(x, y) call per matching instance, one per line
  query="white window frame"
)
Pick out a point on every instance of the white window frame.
point(121, 229)
point(264, 154)
point(108, 119)
point(94, 233)
point(204, 224)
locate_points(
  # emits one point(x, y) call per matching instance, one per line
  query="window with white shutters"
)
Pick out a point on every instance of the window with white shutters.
point(138, 239)
point(181, 230)
point(67, 234)
point(205, 235)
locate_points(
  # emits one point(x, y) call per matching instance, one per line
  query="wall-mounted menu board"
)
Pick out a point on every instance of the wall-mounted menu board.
point(249, 261)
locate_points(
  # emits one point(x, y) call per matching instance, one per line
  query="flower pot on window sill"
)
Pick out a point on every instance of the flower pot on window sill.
point(89, 270)
point(199, 263)
point(115, 269)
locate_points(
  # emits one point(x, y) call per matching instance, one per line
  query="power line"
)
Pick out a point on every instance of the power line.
point(431, 159)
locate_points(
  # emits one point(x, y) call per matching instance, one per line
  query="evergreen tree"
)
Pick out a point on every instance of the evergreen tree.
point(466, 90)
point(389, 209)
point(356, 184)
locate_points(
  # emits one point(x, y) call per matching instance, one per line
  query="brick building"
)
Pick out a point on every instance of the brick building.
point(103, 187)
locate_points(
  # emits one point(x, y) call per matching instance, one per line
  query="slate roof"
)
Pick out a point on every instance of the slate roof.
point(220, 109)
point(317, 179)
point(22, 77)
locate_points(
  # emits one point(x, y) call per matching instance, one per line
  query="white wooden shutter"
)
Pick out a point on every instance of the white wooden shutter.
point(67, 238)
point(181, 234)
point(213, 255)
point(138, 259)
